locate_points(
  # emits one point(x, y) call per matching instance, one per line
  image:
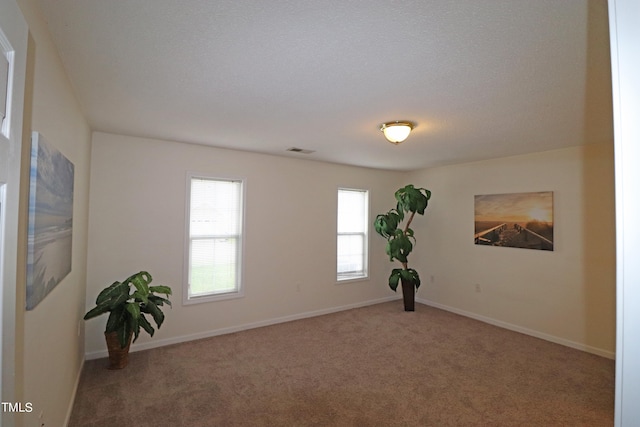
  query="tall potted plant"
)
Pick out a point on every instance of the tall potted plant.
point(410, 200)
point(127, 303)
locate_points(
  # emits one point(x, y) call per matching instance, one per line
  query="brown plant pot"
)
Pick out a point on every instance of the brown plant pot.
point(408, 295)
point(118, 357)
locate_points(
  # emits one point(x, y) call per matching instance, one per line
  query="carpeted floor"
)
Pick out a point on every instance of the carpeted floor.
point(372, 366)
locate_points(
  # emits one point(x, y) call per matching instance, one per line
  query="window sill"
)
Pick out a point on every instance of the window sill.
point(352, 279)
point(212, 298)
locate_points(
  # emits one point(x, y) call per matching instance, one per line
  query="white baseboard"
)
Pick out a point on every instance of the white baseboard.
point(516, 328)
point(73, 395)
point(274, 321)
point(232, 329)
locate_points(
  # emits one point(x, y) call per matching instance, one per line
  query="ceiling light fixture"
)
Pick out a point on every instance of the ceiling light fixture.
point(396, 132)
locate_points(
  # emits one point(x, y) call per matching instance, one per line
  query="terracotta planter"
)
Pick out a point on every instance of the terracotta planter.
point(408, 295)
point(118, 357)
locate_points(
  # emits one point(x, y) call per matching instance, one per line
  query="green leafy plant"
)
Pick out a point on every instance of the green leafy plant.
point(400, 240)
point(127, 303)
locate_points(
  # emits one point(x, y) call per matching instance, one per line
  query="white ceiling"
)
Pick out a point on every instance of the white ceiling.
point(481, 78)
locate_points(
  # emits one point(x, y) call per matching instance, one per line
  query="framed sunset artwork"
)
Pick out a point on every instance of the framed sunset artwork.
point(515, 220)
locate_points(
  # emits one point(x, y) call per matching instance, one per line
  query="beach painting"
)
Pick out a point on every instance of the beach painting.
point(516, 220)
point(50, 220)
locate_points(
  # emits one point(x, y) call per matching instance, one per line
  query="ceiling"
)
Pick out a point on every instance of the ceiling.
point(480, 78)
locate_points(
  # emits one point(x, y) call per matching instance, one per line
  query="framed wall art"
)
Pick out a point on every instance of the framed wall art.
point(515, 220)
point(50, 219)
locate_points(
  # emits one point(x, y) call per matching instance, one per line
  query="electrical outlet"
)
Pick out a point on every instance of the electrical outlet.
point(433, 279)
point(478, 289)
point(298, 285)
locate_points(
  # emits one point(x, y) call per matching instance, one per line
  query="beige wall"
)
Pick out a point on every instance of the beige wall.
point(567, 295)
point(138, 213)
point(51, 346)
point(137, 222)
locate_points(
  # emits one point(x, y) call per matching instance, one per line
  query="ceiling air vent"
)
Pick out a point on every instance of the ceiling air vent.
point(300, 150)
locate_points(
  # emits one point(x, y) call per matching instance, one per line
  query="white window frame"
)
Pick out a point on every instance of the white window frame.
point(239, 290)
point(354, 276)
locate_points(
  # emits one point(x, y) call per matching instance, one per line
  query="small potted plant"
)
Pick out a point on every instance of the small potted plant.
point(127, 303)
point(410, 200)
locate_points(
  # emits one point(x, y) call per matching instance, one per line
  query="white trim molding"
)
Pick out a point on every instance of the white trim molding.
point(246, 326)
point(520, 329)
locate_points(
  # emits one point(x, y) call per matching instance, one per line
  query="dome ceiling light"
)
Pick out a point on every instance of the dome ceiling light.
point(396, 132)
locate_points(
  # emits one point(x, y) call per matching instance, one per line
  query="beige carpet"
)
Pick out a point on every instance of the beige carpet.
point(372, 366)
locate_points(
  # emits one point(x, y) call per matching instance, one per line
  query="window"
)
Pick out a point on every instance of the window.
point(353, 208)
point(214, 251)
